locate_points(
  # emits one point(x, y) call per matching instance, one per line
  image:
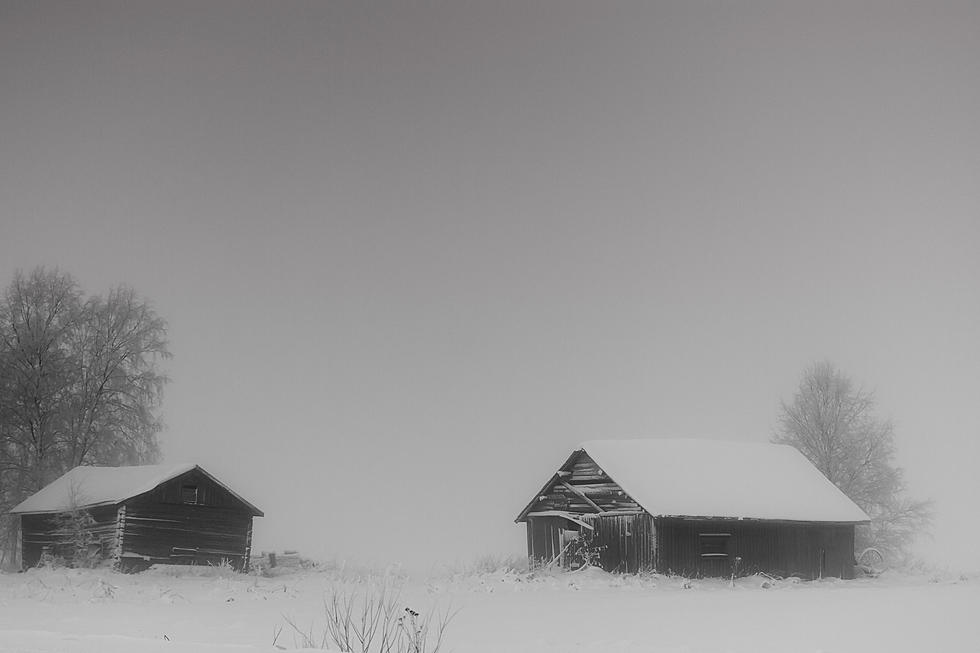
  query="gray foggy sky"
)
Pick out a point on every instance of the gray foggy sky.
point(413, 253)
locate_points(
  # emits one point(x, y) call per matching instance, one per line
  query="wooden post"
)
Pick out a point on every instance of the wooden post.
point(248, 547)
point(117, 549)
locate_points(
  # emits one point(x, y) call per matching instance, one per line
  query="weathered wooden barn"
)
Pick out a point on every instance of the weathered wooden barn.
point(138, 516)
point(692, 507)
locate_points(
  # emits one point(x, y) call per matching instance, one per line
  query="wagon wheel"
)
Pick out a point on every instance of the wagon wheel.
point(871, 561)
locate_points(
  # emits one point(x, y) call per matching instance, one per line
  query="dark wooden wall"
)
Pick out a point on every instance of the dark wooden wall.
point(210, 494)
point(543, 539)
point(626, 543)
point(782, 548)
point(159, 527)
point(178, 534)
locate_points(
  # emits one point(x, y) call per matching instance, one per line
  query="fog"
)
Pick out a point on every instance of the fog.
point(411, 256)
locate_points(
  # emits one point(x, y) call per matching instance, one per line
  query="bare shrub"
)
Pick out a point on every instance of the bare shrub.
point(495, 563)
point(368, 618)
point(484, 565)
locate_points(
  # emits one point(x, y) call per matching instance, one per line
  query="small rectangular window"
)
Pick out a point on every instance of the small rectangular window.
point(188, 494)
point(713, 545)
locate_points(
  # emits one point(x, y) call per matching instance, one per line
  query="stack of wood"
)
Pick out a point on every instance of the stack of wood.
point(287, 559)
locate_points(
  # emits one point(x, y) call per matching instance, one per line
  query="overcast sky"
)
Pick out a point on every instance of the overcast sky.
point(412, 254)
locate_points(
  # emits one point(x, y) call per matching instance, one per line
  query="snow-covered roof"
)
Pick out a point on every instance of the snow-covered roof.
point(85, 487)
point(716, 478)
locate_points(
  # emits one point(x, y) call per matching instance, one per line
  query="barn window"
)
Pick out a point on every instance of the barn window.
point(713, 545)
point(188, 494)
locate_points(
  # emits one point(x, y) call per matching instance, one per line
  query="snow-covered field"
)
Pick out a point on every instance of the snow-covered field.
point(183, 611)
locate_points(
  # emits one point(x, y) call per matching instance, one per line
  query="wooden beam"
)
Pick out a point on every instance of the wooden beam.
point(558, 557)
point(579, 493)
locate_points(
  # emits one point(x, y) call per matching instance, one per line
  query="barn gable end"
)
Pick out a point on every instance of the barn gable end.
point(196, 487)
point(582, 502)
point(190, 519)
point(580, 486)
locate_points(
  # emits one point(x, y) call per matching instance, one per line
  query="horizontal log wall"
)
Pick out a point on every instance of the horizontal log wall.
point(44, 531)
point(157, 533)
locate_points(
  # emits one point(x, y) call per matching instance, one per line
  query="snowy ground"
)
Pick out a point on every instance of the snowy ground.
point(73, 611)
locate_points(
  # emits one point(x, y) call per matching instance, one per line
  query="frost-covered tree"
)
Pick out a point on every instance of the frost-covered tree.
point(833, 423)
point(80, 381)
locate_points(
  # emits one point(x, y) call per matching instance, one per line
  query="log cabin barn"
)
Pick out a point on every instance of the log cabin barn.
point(136, 517)
point(697, 508)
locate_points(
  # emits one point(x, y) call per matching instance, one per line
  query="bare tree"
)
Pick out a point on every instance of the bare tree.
point(834, 425)
point(80, 381)
point(37, 316)
point(117, 385)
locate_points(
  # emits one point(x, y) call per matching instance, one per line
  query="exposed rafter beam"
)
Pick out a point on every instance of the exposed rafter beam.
point(580, 493)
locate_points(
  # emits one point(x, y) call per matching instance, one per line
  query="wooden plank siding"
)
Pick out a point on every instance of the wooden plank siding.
point(807, 550)
point(543, 539)
point(627, 543)
point(641, 543)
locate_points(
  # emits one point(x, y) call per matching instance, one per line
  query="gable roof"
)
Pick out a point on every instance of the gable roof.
point(724, 479)
point(87, 487)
